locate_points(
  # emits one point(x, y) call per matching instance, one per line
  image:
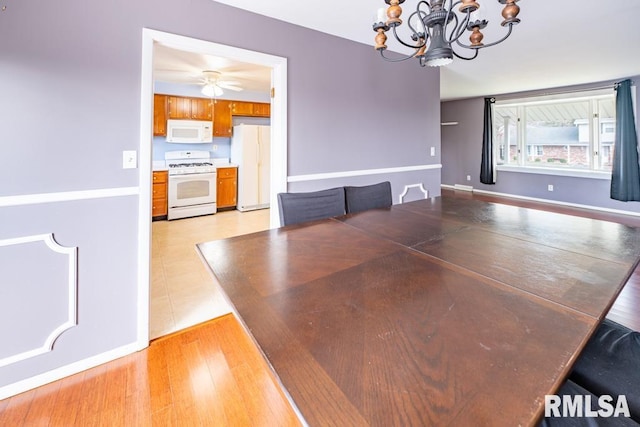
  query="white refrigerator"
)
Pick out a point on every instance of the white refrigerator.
point(251, 151)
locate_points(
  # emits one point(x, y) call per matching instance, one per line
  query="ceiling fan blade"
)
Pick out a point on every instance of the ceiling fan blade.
point(227, 85)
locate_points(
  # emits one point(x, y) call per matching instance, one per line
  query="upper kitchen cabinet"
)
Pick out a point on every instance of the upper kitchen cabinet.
point(159, 115)
point(222, 119)
point(201, 109)
point(179, 107)
point(241, 108)
point(252, 109)
point(261, 109)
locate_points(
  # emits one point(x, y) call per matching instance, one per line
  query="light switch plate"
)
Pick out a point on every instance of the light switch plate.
point(129, 159)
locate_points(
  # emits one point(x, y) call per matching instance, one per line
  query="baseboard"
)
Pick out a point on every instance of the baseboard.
point(463, 187)
point(535, 199)
point(67, 370)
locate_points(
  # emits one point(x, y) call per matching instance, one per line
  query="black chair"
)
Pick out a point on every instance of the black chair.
point(368, 197)
point(610, 364)
point(309, 206)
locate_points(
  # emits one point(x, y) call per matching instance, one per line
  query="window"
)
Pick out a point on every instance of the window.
point(570, 132)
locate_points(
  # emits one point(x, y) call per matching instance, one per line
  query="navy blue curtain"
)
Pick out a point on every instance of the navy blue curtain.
point(625, 173)
point(487, 171)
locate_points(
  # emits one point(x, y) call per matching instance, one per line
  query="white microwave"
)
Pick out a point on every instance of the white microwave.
point(189, 131)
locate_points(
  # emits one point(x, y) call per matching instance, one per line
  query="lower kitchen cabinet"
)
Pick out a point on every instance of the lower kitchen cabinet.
point(159, 201)
point(227, 188)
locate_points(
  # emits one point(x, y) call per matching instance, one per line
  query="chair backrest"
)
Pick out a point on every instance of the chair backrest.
point(368, 197)
point(309, 206)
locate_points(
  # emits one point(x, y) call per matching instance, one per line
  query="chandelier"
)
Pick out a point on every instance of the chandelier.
point(435, 27)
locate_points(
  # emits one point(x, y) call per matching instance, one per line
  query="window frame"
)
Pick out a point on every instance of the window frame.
point(594, 144)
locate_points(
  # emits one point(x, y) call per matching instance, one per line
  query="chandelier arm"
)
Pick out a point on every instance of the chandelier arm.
point(425, 3)
point(460, 28)
point(465, 58)
point(489, 44)
point(403, 58)
point(418, 46)
point(415, 30)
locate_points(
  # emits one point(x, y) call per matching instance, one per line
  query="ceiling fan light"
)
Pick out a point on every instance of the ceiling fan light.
point(208, 90)
point(212, 90)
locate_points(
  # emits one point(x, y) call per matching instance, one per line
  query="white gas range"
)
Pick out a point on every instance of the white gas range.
point(192, 184)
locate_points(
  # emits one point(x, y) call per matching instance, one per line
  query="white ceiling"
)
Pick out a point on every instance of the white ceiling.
point(558, 42)
point(177, 66)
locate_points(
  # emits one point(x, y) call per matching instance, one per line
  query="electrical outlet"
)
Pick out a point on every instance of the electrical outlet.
point(129, 159)
point(468, 177)
point(550, 187)
point(433, 151)
point(215, 147)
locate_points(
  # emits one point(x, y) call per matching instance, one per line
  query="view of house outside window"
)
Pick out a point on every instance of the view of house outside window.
point(575, 131)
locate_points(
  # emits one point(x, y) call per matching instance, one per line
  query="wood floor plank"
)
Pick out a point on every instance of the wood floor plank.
point(93, 392)
point(63, 413)
point(137, 406)
point(17, 409)
point(47, 396)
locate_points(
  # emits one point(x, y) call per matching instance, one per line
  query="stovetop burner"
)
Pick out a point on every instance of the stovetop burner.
point(189, 165)
point(189, 162)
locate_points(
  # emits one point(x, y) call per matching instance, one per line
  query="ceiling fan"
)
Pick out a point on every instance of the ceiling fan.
point(213, 86)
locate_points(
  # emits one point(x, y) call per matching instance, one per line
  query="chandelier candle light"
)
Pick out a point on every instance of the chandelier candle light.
point(434, 27)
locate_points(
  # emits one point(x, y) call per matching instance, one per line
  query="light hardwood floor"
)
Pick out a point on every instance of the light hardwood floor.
point(209, 374)
point(183, 292)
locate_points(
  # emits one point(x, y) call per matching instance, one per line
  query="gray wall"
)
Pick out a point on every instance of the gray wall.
point(70, 79)
point(462, 148)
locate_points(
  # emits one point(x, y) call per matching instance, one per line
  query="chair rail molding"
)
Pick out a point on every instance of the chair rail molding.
point(53, 312)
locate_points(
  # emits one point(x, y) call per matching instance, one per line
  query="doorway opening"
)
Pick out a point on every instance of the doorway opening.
point(278, 170)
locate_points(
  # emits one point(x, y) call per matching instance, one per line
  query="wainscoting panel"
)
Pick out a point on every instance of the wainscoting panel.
point(414, 191)
point(42, 277)
point(68, 286)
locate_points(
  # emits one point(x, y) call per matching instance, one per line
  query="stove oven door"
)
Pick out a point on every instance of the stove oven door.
point(192, 189)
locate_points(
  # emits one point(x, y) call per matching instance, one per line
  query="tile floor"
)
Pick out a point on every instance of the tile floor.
point(183, 292)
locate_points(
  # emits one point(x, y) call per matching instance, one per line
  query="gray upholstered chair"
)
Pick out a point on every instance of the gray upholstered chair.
point(368, 197)
point(301, 207)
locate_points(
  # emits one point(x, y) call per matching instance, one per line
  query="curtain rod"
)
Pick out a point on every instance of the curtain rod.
point(609, 86)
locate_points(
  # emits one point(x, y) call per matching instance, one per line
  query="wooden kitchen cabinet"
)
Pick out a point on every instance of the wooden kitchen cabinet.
point(241, 108)
point(261, 109)
point(222, 119)
point(227, 188)
point(251, 109)
point(179, 107)
point(159, 115)
point(201, 109)
point(159, 191)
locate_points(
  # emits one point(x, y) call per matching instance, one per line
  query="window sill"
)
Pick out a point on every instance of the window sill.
point(576, 173)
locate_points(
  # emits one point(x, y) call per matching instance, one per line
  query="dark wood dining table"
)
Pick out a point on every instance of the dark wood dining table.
point(443, 311)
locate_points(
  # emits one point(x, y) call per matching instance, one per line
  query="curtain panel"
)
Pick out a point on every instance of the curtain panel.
point(487, 168)
point(625, 173)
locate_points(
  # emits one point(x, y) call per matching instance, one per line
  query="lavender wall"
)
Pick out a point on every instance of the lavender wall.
point(461, 153)
point(70, 76)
